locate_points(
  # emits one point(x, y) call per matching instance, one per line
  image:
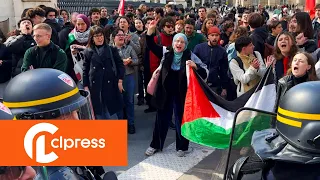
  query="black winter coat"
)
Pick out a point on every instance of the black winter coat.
point(17, 47)
point(5, 66)
point(286, 83)
point(310, 46)
point(64, 35)
point(56, 28)
point(259, 37)
point(160, 95)
point(271, 39)
point(99, 76)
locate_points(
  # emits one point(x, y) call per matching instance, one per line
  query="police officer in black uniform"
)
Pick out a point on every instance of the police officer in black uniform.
point(14, 172)
point(292, 150)
point(51, 94)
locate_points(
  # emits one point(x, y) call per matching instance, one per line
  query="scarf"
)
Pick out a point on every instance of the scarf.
point(285, 65)
point(99, 49)
point(178, 55)
point(81, 37)
point(164, 32)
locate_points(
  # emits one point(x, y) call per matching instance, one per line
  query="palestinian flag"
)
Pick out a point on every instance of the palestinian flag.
point(208, 118)
point(71, 38)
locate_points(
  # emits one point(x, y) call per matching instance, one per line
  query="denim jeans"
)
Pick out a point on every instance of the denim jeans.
point(106, 115)
point(128, 97)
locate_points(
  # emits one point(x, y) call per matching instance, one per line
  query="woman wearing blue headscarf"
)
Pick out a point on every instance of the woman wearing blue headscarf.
point(171, 87)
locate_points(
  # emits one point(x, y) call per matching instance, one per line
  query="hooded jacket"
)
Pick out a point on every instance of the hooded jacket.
point(259, 37)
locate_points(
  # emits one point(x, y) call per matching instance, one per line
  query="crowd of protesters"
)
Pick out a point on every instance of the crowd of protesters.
point(231, 50)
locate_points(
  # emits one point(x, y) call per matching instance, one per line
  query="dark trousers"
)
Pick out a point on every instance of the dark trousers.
point(163, 119)
point(148, 97)
point(140, 85)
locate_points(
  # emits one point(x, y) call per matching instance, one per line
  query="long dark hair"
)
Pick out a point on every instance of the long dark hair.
point(304, 24)
point(93, 31)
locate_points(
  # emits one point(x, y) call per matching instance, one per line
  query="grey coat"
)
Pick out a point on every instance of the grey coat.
point(125, 52)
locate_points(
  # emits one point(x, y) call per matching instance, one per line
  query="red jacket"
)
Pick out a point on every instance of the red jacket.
point(154, 60)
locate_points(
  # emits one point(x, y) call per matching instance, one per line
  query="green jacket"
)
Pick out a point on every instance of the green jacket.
point(50, 56)
point(194, 39)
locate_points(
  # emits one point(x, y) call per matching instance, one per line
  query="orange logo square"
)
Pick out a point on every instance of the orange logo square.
point(63, 143)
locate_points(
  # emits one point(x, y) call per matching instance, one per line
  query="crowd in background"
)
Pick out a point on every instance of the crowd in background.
point(230, 47)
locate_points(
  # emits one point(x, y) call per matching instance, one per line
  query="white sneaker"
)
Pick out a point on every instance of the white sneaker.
point(150, 151)
point(181, 153)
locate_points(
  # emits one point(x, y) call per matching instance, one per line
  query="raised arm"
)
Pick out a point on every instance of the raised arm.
point(154, 48)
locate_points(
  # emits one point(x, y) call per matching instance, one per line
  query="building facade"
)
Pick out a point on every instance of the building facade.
point(268, 2)
point(11, 11)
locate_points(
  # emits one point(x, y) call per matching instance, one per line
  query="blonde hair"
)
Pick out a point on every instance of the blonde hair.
point(240, 31)
point(43, 26)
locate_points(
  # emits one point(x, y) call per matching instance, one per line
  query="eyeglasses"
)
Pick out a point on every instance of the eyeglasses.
point(120, 35)
point(38, 35)
point(169, 26)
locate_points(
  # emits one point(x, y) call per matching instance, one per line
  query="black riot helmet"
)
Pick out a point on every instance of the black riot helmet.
point(46, 94)
point(298, 118)
point(5, 113)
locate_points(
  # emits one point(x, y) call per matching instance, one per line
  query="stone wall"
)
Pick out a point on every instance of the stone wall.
point(13, 9)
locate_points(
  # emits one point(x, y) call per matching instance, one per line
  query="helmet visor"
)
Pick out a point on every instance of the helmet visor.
point(81, 109)
point(248, 121)
point(55, 172)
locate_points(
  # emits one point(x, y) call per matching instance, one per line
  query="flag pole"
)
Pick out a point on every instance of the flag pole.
point(230, 143)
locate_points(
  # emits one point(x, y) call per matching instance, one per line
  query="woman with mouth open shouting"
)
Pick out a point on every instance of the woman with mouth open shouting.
point(285, 49)
point(302, 70)
point(171, 87)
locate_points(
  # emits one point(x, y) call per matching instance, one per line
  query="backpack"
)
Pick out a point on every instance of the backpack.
point(268, 50)
point(233, 86)
point(240, 63)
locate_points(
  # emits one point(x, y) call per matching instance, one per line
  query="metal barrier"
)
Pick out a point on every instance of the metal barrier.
point(84, 6)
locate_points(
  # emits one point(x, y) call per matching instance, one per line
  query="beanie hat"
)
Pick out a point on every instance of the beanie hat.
point(214, 29)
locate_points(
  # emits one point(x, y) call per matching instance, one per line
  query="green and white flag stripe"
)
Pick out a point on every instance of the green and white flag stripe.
point(208, 118)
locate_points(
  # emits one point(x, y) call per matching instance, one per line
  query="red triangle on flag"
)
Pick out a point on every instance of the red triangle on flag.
point(197, 104)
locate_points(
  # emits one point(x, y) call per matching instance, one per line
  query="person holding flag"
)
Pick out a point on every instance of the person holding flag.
point(171, 87)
